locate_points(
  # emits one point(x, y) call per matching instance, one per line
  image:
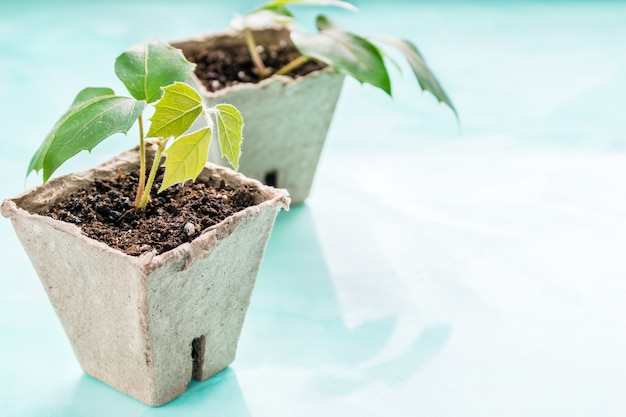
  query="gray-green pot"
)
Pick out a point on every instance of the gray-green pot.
point(286, 119)
point(134, 321)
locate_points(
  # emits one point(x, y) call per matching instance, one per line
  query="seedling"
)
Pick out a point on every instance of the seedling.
point(336, 47)
point(152, 73)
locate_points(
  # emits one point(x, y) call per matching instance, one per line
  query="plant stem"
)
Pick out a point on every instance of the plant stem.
point(290, 66)
point(141, 187)
point(153, 171)
point(262, 70)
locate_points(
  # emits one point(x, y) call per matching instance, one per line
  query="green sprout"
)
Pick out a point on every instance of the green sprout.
point(152, 73)
point(336, 47)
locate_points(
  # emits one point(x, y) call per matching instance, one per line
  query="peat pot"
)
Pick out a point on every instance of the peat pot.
point(286, 119)
point(147, 324)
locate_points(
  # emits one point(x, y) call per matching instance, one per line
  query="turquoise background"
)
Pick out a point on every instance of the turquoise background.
point(436, 269)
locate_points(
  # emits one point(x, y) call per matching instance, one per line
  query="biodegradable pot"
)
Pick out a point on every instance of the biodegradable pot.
point(286, 119)
point(147, 324)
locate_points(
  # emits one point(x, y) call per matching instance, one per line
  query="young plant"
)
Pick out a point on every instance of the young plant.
point(336, 47)
point(152, 73)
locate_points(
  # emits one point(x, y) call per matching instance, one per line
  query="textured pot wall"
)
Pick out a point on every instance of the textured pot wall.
point(132, 321)
point(207, 296)
point(99, 297)
point(286, 120)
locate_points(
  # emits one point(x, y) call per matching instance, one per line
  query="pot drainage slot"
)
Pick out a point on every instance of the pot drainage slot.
point(271, 178)
point(197, 356)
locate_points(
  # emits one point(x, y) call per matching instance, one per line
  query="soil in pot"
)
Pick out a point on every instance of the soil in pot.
point(226, 66)
point(105, 212)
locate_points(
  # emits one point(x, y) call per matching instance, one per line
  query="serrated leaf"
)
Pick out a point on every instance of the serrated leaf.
point(179, 107)
point(186, 157)
point(229, 132)
point(93, 116)
point(336, 3)
point(36, 161)
point(86, 94)
point(345, 52)
point(147, 67)
point(425, 77)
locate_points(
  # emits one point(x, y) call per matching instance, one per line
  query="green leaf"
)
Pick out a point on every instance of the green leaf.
point(89, 93)
point(230, 132)
point(276, 9)
point(95, 114)
point(275, 12)
point(175, 112)
point(389, 58)
point(336, 3)
point(186, 157)
point(146, 67)
point(345, 52)
point(425, 77)
point(262, 19)
point(36, 162)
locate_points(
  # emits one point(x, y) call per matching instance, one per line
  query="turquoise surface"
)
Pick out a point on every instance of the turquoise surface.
point(436, 270)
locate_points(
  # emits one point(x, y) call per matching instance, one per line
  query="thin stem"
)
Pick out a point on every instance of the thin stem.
point(142, 163)
point(155, 167)
point(207, 112)
point(262, 70)
point(290, 66)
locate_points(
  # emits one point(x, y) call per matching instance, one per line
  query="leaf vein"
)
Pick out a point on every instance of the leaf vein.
point(145, 69)
point(73, 138)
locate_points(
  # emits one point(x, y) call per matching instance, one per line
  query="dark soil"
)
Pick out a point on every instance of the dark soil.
point(106, 212)
point(223, 67)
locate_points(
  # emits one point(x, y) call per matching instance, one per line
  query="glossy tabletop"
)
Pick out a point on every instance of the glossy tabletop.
point(435, 270)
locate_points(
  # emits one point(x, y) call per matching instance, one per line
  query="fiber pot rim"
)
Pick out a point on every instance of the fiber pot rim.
point(60, 187)
point(235, 37)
